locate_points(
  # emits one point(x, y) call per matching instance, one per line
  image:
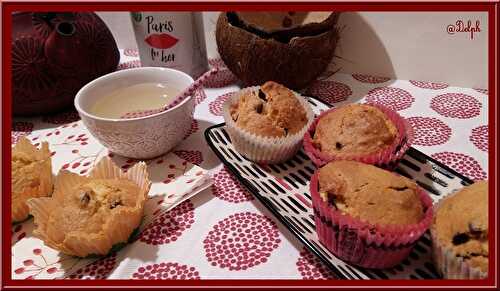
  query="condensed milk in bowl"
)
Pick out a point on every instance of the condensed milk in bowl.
point(102, 103)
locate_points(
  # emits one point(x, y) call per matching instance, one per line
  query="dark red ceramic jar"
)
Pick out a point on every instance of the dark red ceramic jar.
point(54, 55)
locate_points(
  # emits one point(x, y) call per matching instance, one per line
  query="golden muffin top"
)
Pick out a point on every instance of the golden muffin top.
point(461, 224)
point(87, 207)
point(27, 163)
point(371, 194)
point(272, 111)
point(354, 129)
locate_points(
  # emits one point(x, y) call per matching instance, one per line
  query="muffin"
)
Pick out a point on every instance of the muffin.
point(31, 176)
point(368, 216)
point(266, 124)
point(460, 233)
point(371, 134)
point(91, 215)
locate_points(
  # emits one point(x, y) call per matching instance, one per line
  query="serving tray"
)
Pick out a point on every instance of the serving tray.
point(284, 190)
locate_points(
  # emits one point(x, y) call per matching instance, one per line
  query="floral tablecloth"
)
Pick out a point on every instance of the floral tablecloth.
point(223, 232)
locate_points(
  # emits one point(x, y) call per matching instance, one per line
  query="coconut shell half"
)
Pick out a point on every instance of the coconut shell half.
point(293, 56)
point(281, 24)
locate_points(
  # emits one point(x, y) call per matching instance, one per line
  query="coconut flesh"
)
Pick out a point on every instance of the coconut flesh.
point(291, 48)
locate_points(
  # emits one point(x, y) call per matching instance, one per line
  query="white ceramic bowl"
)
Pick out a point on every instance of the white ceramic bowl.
point(143, 137)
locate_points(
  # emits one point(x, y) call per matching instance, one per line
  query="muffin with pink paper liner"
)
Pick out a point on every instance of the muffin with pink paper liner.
point(267, 123)
point(368, 216)
point(459, 233)
point(31, 176)
point(372, 134)
point(92, 215)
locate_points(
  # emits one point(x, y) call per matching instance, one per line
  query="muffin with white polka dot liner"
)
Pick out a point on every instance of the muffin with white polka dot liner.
point(267, 123)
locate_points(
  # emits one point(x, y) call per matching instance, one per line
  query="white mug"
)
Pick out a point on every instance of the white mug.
point(171, 39)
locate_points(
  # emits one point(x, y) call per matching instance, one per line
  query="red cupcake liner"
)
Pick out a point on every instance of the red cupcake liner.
point(385, 158)
point(361, 243)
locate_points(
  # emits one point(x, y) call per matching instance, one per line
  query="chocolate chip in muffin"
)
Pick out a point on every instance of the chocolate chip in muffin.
point(337, 201)
point(338, 145)
point(262, 95)
point(398, 147)
point(399, 188)
point(84, 198)
point(358, 189)
point(259, 107)
point(332, 201)
point(460, 238)
point(286, 131)
point(115, 203)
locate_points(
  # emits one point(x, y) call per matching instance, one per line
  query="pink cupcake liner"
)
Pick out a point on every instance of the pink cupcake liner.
point(361, 243)
point(385, 158)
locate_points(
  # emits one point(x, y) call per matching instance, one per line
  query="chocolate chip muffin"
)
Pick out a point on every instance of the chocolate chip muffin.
point(31, 176)
point(355, 129)
point(89, 205)
point(90, 215)
point(271, 111)
point(267, 123)
point(460, 231)
point(368, 216)
point(370, 194)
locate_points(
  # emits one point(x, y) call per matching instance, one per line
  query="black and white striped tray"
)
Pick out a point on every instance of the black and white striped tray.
point(284, 190)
